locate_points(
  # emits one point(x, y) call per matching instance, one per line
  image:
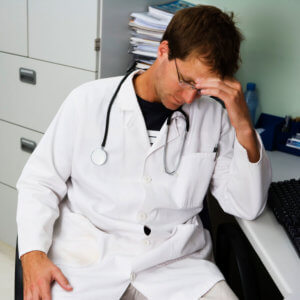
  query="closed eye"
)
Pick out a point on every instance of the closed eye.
point(188, 81)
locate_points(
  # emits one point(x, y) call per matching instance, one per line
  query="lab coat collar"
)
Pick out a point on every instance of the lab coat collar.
point(126, 101)
point(176, 129)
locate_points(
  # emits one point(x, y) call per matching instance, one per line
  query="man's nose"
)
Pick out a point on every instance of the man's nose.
point(189, 95)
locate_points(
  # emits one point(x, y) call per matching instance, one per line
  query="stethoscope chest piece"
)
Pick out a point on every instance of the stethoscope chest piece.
point(99, 156)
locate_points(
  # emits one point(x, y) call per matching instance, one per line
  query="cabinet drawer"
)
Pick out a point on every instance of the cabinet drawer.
point(13, 33)
point(12, 156)
point(64, 31)
point(8, 208)
point(34, 105)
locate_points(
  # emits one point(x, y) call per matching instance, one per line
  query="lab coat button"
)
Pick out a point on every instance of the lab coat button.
point(132, 276)
point(147, 242)
point(142, 216)
point(147, 179)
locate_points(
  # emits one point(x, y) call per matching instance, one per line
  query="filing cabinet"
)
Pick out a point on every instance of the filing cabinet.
point(47, 48)
point(8, 226)
point(16, 145)
point(69, 43)
point(34, 105)
point(13, 33)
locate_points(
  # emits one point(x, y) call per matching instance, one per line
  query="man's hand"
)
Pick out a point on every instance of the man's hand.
point(230, 91)
point(38, 274)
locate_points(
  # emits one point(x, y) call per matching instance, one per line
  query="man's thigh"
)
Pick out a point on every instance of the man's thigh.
point(220, 291)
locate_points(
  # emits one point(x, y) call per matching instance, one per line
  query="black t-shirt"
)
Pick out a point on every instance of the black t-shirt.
point(155, 114)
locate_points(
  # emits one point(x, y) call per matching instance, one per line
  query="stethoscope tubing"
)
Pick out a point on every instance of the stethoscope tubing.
point(187, 127)
point(99, 156)
point(109, 109)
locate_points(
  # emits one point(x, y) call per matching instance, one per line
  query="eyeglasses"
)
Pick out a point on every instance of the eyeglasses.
point(184, 83)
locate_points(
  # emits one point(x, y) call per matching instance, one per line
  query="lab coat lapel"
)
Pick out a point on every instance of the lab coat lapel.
point(137, 144)
point(136, 140)
point(176, 129)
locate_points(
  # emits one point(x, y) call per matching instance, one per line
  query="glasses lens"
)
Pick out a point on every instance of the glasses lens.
point(183, 83)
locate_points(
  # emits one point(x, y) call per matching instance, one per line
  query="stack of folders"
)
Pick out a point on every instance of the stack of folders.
point(147, 29)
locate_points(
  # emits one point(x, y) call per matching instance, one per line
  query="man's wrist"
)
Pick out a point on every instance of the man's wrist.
point(248, 139)
point(32, 253)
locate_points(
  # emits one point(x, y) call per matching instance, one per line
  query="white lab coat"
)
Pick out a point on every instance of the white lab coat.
point(99, 240)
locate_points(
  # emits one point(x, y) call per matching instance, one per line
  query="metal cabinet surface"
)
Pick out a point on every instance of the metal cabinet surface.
point(34, 105)
point(8, 199)
point(58, 44)
point(64, 32)
point(13, 26)
point(17, 144)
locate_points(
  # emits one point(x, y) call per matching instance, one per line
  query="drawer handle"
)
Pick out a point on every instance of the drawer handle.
point(27, 145)
point(27, 76)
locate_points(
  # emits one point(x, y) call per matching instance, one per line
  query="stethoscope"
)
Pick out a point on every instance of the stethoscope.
point(99, 155)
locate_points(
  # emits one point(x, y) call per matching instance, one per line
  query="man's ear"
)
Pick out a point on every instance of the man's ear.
point(163, 49)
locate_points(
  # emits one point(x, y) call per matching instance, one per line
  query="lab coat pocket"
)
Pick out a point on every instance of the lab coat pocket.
point(194, 177)
point(76, 241)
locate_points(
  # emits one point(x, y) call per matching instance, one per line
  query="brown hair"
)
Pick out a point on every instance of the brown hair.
point(207, 33)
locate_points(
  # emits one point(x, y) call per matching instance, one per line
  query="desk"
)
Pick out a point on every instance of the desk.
point(269, 238)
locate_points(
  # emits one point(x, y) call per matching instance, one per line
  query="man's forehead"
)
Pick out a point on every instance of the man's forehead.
point(194, 67)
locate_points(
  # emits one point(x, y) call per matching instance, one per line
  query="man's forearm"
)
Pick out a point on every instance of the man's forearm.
point(248, 139)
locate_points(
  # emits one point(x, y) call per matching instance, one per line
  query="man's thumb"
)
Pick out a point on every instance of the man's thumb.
point(62, 280)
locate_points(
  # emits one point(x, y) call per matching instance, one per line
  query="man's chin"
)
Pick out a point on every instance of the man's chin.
point(173, 105)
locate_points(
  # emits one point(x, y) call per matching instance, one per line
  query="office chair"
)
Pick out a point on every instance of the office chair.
point(230, 242)
point(232, 247)
point(18, 276)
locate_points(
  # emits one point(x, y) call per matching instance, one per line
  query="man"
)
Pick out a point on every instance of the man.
point(129, 228)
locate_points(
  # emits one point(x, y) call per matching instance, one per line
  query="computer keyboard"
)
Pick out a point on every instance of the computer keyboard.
point(284, 200)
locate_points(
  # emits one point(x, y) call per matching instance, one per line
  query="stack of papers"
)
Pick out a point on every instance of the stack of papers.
point(145, 20)
point(146, 33)
point(147, 29)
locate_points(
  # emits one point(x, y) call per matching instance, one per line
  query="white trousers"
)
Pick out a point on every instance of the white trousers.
point(220, 291)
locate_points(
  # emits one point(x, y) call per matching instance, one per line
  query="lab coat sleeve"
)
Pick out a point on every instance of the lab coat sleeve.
point(42, 184)
point(241, 187)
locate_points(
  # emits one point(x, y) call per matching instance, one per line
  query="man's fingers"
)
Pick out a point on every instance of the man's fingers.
point(27, 295)
point(35, 293)
point(215, 92)
point(217, 86)
point(62, 280)
point(218, 83)
point(233, 84)
point(45, 288)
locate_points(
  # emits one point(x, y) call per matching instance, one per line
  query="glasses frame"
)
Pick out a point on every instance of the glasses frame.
point(184, 83)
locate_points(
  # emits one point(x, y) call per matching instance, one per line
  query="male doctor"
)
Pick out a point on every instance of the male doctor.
point(129, 228)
